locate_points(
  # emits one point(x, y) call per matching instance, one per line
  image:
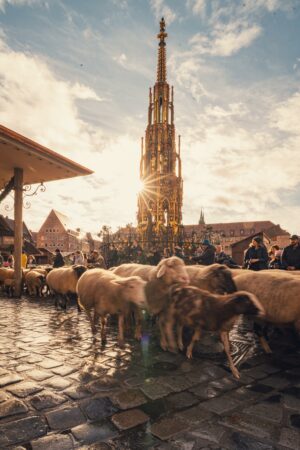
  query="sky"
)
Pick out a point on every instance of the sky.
point(74, 76)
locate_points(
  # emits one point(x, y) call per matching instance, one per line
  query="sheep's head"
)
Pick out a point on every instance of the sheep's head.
point(79, 270)
point(173, 270)
point(133, 290)
point(220, 279)
point(247, 303)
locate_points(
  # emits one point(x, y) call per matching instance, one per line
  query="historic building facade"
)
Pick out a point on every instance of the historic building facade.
point(56, 233)
point(160, 202)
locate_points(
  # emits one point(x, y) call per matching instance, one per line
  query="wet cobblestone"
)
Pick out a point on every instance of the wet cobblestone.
point(61, 390)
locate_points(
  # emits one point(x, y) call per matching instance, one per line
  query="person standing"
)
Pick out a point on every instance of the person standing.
point(11, 260)
point(256, 256)
point(23, 260)
point(79, 258)
point(290, 258)
point(58, 259)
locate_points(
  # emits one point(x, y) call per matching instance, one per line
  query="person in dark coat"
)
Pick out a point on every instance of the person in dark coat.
point(207, 256)
point(58, 259)
point(290, 258)
point(256, 256)
point(222, 258)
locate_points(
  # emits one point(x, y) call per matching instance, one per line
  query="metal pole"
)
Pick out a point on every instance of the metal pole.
point(18, 176)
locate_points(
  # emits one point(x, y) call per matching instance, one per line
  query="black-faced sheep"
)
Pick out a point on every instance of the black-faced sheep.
point(62, 283)
point(202, 310)
point(106, 293)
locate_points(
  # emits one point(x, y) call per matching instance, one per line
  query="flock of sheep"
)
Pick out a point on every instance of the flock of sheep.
point(207, 298)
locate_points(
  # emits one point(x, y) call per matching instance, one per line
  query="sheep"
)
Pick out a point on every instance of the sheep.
point(9, 286)
point(203, 310)
point(107, 293)
point(6, 273)
point(159, 279)
point(279, 294)
point(215, 278)
point(62, 282)
point(35, 281)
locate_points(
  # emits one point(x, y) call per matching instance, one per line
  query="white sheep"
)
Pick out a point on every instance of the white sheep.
point(62, 282)
point(106, 293)
point(279, 294)
point(159, 278)
point(171, 269)
point(35, 281)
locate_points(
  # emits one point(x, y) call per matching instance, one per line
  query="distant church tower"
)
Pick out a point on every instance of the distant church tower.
point(160, 202)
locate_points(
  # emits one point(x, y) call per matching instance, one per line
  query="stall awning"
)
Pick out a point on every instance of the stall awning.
point(39, 163)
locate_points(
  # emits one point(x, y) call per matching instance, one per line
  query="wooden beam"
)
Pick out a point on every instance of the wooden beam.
point(18, 186)
point(8, 187)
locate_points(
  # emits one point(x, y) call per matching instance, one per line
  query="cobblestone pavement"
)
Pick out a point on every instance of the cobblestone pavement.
point(61, 390)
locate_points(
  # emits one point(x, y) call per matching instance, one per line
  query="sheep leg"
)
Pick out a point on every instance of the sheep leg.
point(225, 339)
point(138, 324)
point(163, 340)
point(103, 329)
point(89, 314)
point(196, 336)
point(169, 325)
point(259, 330)
point(79, 309)
point(264, 344)
point(121, 330)
point(179, 330)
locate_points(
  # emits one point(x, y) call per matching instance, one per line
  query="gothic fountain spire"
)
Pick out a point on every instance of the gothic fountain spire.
point(161, 64)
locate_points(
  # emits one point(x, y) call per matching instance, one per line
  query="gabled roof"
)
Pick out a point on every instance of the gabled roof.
point(64, 220)
point(251, 236)
point(10, 225)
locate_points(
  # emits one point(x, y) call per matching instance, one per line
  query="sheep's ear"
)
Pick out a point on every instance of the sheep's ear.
point(162, 271)
point(119, 282)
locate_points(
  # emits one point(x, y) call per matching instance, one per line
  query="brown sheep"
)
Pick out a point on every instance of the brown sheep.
point(215, 278)
point(279, 294)
point(202, 310)
point(35, 281)
point(107, 293)
point(6, 273)
point(62, 283)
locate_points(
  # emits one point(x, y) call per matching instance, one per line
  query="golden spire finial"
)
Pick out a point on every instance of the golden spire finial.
point(161, 66)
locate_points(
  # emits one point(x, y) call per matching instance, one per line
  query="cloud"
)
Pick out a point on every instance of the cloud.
point(225, 39)
point(161, 9)
point(285, 116)
point(46, 111)
point(198, 7)
point(3, 3)
point(121, 59)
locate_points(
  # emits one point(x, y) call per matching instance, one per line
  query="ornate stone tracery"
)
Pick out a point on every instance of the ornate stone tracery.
point(160, 202)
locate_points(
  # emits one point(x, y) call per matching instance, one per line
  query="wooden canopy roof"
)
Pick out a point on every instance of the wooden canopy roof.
point(39, 163)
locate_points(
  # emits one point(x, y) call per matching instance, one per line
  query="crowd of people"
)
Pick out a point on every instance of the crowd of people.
point(256, 257)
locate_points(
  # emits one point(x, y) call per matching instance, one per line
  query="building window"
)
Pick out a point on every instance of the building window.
point(231, 232)
point(252, 231)
point(242, 232)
